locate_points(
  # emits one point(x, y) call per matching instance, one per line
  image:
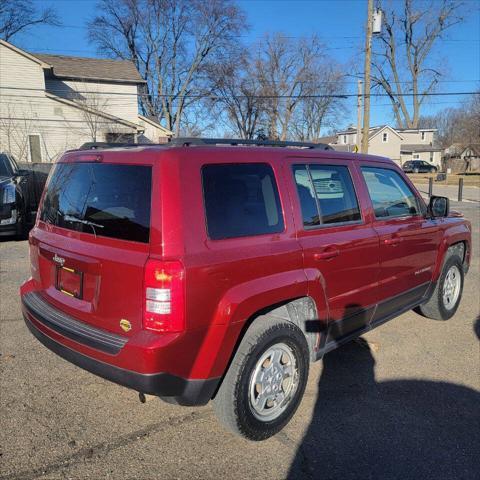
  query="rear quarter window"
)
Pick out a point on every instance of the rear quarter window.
point(107, 200)
point(241, 200)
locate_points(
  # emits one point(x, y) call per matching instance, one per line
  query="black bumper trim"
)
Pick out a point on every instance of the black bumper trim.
point(179, 390)
point(70, 327)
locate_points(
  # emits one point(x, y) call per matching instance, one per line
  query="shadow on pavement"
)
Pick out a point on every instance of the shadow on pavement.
point(404, 429)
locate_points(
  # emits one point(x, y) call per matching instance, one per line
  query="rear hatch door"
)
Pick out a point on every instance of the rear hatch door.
point(91, 242)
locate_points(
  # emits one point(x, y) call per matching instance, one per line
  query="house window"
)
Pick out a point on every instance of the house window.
point(120, 137)
point(416, 156)
point(35, 148)
point(431, 156)
point(385, 137)
point(345, 139)
point(423, 135)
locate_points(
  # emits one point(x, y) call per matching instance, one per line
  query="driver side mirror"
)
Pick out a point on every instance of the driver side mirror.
point(439, 207)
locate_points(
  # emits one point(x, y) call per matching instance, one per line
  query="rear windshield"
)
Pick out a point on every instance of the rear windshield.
point(107, 200)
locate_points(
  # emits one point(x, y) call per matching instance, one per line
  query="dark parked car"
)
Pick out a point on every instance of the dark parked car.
point(419, 166)
point(197, 271)
point(14, 197)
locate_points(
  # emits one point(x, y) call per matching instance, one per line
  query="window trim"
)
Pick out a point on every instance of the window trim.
point(281, 215)
point(308, 228)
point(420, 206)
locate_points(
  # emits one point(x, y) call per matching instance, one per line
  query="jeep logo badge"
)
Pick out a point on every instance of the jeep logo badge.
point(59, 260)
point(125, 325)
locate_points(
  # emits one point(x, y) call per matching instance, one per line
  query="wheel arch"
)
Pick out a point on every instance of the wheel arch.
point(456, 246)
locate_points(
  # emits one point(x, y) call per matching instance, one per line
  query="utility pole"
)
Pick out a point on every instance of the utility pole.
point(359, 116)
point(366, 94)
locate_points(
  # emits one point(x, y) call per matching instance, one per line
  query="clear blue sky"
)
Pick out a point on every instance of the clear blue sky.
point(338, 22)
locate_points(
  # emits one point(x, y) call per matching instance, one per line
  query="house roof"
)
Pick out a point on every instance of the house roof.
point(377, 130)
point(91, 68)
point(113, 118)
point(418, 147)
point(327, 139)
point(475, 147)
point(372, 131)
point(154, 121)
point(416, 129)
point(23, 53)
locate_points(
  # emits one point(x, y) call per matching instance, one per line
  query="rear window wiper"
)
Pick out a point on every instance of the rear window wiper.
point(74, 219)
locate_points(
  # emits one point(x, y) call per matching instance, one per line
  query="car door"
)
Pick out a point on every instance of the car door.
point(340, 248)
point(408, 239)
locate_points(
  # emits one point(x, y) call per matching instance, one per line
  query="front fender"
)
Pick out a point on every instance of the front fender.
point(460, 232)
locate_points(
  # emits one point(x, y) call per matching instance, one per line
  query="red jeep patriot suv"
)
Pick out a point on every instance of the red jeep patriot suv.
point(215, 269)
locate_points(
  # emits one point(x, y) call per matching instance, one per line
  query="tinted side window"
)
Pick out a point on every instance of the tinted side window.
point(5, 168)
point(241, 200)
point(331, 188)
point(390, 195)
point(101, 199)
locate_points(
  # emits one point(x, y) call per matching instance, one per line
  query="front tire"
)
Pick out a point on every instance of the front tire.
point(266, 380)
point(446, 297)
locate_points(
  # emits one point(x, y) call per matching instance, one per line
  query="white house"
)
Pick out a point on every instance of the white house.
point(399, 144)
point(52, 103)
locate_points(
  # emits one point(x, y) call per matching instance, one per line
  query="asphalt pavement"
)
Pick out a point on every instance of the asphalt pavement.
point(401, 403)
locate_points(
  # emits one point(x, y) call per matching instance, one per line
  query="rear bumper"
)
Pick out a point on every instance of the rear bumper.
point(8, 230)
point(178, 390)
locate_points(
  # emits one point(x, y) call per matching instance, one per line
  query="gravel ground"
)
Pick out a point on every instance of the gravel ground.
point(403, 403)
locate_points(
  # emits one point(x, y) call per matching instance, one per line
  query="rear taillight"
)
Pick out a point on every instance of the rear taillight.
point(164, 306)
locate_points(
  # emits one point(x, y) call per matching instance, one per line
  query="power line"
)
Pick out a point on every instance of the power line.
point(213, 96)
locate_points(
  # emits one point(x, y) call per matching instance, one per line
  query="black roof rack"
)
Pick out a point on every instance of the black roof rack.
point(186, 142)
point(97, 145)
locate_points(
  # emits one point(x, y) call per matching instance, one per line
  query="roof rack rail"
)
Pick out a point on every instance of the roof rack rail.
point(187, 141)
point(97, 145)
point(190, 141)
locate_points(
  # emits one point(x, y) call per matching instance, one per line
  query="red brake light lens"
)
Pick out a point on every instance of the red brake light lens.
point(164, 305)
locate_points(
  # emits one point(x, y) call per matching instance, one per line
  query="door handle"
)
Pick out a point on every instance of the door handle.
point(393, 241)
point(327, 254)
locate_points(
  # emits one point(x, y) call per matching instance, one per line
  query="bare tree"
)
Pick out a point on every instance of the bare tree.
point(456, 125)
point(236, 93)
point(15, 127)
point(401, 62)
point(19, 15)
point(288, 71)
point(169, 41)
point(324, 110)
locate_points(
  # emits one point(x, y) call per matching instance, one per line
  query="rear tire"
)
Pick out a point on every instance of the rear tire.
point(266, 380)
point(446, 297)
